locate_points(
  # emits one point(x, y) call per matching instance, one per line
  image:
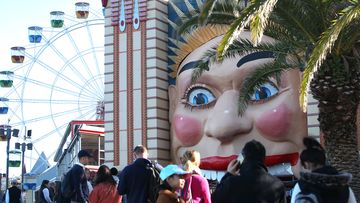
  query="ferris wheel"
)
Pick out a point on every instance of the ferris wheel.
point(58, 77)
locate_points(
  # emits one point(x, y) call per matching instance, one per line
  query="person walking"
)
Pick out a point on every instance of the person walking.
point(78, 178)
point(135, 180)
point(318, 180)
point(196, 189)
point(13, 194)
point(173, 180)
point(44, 192)
point(105, 187)
point(254, 184)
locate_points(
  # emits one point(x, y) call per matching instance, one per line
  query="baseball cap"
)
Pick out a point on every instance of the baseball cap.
point(84, 153)
point(170, 170)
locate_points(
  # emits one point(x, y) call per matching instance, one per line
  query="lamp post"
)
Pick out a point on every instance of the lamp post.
point(23, 146)
point(6, 130)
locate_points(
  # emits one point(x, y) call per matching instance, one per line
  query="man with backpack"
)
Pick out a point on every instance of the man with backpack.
point(74, 185)
point(139, 180)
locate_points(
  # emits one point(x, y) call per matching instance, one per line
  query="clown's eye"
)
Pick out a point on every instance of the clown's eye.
point(265, 91)
point(199, 96)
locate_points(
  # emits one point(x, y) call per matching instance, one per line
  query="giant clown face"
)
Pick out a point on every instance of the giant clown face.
point(204, 115)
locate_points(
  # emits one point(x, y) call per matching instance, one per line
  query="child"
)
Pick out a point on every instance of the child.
point(173, 179)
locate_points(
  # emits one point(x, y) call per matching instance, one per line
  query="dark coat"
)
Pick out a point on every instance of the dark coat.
point(14, 194)
point(134, 181)
point(254, 185)
point(79, 182)
point(327, 184)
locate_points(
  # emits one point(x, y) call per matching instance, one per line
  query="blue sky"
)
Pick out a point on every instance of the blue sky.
point(15, 17)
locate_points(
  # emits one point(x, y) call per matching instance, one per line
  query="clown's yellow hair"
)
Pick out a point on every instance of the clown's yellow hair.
point(193, 40)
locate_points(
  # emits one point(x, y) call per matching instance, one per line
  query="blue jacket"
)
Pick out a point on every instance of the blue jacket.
point(79, 182)
point(134, 181)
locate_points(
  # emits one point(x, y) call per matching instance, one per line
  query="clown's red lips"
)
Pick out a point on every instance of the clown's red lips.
point(220, 163)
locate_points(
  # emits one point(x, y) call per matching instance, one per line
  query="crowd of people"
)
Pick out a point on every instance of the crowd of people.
point(246, 180)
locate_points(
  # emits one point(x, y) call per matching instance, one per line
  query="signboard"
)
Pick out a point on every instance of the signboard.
point(29, 186)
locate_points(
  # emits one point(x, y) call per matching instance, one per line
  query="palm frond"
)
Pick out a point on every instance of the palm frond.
point(282, 34)
point(206, 11)
point(350, 36)
point(258, 78)
point(237, 27)
point(224, 13)
point(297, 20)
point(324, 46)
point(203, 64)
point(260, 19)
point(187, 25)
point(243, 46)
point(218, 18)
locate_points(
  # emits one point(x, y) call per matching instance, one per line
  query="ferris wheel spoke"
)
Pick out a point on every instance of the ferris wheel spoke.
point(60, 89)
point(60, 127)
point(88, 93)
point(13, 113)
point(82, 115)
point(99, 94)
point(94, 54)
point(69, 112)
point(62, 57)
point(55, 72)
point(85, 65)
point(94, 79)
point(96, 14)
point(37, 152)
point(14, 89)
point(47, 101)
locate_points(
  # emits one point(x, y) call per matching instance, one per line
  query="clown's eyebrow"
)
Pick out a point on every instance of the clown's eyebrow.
point(255, 56)
point(250, 57)
point(190, 65)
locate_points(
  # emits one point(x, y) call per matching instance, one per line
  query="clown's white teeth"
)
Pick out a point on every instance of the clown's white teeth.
point(280, 169)
point(213, 175)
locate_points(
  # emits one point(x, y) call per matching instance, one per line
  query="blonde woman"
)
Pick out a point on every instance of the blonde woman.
point(196, 187)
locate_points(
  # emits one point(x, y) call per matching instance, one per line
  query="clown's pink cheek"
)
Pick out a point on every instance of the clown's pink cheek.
point(187, 130)
point(274, 123)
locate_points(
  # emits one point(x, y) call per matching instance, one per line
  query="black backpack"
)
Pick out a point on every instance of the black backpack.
point(67, 188)
point(154, 183)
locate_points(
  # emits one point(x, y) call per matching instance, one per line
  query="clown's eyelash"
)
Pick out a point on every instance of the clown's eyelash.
point(184, 99)
point(205, 106)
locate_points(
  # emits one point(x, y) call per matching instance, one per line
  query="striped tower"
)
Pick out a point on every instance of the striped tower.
point(136, 100)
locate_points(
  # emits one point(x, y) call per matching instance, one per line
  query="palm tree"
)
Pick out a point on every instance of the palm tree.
point(323, 39)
